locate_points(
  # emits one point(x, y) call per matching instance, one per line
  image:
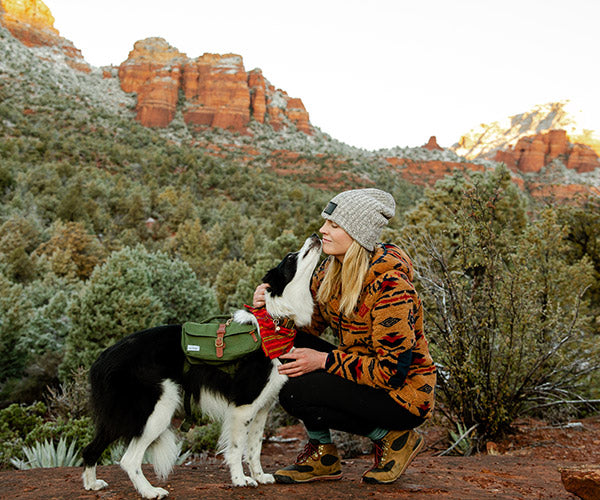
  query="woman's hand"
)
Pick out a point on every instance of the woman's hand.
point(305, 361)
point(259, 295)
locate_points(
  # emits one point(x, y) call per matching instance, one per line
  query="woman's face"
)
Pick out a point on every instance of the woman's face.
point(336, 241)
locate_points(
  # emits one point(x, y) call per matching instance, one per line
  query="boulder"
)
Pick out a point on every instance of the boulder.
point(583, 481)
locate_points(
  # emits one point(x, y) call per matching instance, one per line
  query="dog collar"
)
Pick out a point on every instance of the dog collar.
point(277, 335)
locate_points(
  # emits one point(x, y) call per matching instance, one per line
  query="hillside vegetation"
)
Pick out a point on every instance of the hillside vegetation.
point(107, 227)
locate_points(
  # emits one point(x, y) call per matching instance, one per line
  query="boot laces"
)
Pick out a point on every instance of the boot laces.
point(377, 454)
point(309, 449)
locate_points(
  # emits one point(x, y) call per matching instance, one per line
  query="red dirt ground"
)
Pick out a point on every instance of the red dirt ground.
point(526, 467)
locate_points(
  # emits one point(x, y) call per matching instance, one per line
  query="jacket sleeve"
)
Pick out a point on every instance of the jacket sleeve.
point(393, 314)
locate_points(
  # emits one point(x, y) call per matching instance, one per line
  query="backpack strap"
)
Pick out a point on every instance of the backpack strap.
point(219, 341)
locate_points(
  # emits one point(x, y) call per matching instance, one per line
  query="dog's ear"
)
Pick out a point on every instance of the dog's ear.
point(275, 280)
point(279, 277)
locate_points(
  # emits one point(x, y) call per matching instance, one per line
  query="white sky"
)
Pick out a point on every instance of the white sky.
point(373, 73)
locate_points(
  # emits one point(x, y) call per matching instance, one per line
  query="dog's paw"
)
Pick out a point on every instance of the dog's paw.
point(155, 493)
point(96, 485)
point(265, 479)
point(244, 481)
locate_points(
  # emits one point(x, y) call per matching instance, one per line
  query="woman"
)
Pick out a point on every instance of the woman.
point(379, 381)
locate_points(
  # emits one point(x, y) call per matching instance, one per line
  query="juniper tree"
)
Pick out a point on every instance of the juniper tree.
point(504, 306)
point(133, 290)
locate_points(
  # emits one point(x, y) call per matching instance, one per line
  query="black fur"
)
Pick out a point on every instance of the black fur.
point(280, 276)
point(138, 383)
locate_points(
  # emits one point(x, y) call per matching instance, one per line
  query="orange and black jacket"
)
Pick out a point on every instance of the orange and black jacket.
point(382, 344)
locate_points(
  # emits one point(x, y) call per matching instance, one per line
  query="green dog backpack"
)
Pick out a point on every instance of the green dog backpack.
point(218, 340)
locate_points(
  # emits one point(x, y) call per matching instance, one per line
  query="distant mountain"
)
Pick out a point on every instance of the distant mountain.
point(212, 103)
point(485, 140)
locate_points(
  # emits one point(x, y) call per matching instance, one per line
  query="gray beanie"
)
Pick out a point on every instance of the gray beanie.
point(362, 213)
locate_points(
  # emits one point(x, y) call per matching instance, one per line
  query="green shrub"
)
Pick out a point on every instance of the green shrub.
point(135, 289)
point(506, 316)
point(202, 438)
point(16, 423)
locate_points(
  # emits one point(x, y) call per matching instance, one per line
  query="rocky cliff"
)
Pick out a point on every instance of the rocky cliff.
point(532, 153)
point(31, 22)
point(213, 90)
point(484, 141)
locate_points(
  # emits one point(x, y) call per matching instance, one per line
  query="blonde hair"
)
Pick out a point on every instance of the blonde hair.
point(345, 279)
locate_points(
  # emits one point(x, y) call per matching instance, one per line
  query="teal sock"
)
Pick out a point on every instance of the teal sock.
point(322, 437)
point(377, 434)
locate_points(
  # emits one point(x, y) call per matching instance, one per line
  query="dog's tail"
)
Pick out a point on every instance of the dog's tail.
point(164, 451)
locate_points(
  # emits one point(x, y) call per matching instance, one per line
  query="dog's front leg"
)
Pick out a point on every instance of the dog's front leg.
point(255, 436)
point(235, 437)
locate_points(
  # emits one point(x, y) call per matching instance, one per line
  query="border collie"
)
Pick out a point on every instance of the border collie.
point(138, 384)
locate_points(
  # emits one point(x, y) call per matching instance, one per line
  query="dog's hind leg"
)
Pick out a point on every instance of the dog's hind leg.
point(91, 454)
point(255, 436)
point(234, 437)
point(158, 422)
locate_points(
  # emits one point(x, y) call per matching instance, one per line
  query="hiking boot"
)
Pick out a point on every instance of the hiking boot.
point(316, 462)
point(393, 453)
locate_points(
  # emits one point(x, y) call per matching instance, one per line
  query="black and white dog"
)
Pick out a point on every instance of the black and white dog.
point(138, 384)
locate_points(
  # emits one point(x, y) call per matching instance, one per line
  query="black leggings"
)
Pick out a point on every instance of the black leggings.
point(326, 401)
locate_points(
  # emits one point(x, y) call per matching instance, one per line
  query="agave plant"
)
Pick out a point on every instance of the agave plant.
point(46, 454)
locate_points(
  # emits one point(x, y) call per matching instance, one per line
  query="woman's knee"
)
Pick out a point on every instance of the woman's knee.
point(288, 396)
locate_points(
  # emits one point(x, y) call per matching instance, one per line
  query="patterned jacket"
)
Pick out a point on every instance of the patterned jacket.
point(383, 344)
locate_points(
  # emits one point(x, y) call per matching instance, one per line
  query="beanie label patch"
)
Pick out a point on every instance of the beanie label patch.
point(331, 206)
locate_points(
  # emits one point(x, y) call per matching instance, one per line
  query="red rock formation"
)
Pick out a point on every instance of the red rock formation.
point(532, 153)
point(32, 23)
point(281, 107)
point(153, 70)
point(582, 481)
point(297, 113)
point(216, 91)
point(558, 143)
point(427, 173)
point(432, 144)
point(258, 95)
point(583, 158)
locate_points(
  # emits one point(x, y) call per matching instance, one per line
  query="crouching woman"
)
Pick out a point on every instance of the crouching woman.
point(379, 381)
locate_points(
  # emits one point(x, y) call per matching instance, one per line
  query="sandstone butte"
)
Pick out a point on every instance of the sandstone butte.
point(532, 153)
point(214, 90)
point(31, 22)
point(432, 144)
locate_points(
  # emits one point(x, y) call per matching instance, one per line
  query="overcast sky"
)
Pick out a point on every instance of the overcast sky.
point(373, 73)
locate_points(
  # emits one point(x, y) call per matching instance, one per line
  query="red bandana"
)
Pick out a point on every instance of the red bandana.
point(276, 339)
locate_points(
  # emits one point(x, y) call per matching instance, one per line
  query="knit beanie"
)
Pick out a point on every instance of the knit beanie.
point(362, 213)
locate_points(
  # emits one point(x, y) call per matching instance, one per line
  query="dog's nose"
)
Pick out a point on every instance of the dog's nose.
point(315, 241)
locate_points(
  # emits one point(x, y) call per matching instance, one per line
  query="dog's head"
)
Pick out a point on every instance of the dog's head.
point(289, 294)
